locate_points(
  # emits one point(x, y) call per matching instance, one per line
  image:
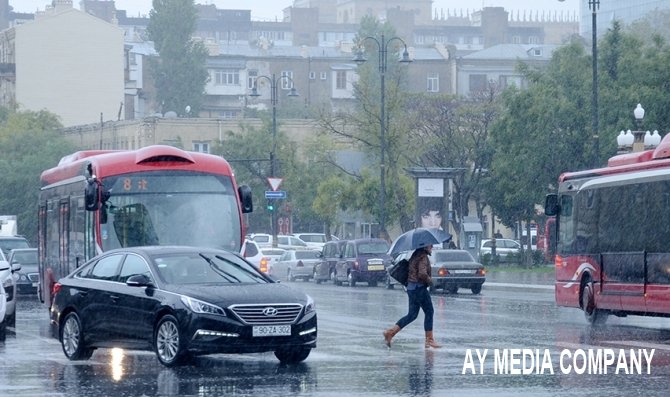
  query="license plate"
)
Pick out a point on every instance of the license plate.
point(375, 267)
point(464, 271)
point(35, 285)
point(272, 330)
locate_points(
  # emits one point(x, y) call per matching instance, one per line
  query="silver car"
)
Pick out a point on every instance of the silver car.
point(506, 249)
point(295, 264)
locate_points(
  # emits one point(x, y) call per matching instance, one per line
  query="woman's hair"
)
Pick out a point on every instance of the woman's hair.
point(427, 204)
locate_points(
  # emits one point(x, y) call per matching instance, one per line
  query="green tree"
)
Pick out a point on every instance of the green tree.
point(361, 127)
point(31, 144)
point(180, 73)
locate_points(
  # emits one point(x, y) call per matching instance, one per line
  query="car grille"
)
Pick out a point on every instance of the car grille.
point(34, 277)
point(263, 314)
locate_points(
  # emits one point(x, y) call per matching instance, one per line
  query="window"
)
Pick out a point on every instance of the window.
point(324, 75)
point(477, 82)
point(202, 147)
point(341, 79)
point(516, 39)
point(251, 78)
point(227, 77)
point(106, 268)
point(312, 75)
point(286, 80)
point(533, 40)
point(433, 82)
point(133, 265)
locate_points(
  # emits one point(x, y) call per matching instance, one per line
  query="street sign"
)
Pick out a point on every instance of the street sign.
point(272, 194)
point(275, 182)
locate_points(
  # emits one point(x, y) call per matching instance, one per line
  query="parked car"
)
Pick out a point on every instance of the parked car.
point(262, 239)
point(3, 308)
point(180, 302)
point(506, 249)
point(363, 260)
point(272, 255)
point(313, 240)
point(251, 251)
point(290, 243)
point(8, 243)
point(331, 253)
point(8, 281)
point(453, 269)
point(24, 260)
point(295, 264)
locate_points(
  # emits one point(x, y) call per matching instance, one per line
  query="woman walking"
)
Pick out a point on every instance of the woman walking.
point(418, 282)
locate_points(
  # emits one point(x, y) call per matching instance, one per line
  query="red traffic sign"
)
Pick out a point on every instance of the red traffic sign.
point(275, 182)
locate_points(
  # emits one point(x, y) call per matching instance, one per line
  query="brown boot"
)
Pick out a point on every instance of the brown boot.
point(430, 342)
point(390, 333)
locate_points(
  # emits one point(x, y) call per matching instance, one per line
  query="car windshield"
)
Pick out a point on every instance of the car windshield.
point(306, 254)
point(10, 244)
point(194, 268)
point(373, 248)
point(25, 257)
point(262, 239)
point(452, 256)
point(313, 238)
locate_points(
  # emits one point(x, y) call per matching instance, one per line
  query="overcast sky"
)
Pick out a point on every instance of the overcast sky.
point(272, 9)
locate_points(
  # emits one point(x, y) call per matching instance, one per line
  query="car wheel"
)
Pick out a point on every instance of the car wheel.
point(3, 332)
point(593, 315)
point(351, 279)
point(292, 355)
point(167, 342)
point(10, 321)
point(453, 289)
point(72, 339)
point(333, 276)
point(476, 289)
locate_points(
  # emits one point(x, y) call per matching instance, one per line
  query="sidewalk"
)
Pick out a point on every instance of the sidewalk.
point(531, 279)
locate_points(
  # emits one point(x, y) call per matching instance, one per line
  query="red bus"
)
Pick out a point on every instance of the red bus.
point(613, 236)
point(98, 200)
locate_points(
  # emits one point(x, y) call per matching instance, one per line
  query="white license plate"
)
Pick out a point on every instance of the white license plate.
point(375, 267)
point(464, 271)
point(272, 330)
point(35, 285)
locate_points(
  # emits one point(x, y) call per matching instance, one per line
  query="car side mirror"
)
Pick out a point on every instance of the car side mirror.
point(16, 267)
point(139, 280)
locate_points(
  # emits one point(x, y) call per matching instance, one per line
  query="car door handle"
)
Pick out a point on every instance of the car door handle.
point(114, 298)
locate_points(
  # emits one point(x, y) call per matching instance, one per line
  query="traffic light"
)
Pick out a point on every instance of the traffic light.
point(270, 206)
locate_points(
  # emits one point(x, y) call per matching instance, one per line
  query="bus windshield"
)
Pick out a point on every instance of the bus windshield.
point(170, 208)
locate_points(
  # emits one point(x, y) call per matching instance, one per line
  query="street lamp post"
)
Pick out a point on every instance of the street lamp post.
point(594, 5)
point(382, 46)
point(274, 97)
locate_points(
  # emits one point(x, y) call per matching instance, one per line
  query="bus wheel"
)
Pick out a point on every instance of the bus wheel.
point(593, 315)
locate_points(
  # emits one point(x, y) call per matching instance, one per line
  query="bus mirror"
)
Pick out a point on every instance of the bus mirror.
point(551, 205)
point(92, 200)
point(244, 192)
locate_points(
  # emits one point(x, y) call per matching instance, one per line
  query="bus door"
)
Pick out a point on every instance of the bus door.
point(623, 281)
point(658, 283)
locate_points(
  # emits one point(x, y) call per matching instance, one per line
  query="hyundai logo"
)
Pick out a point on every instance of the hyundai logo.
point(270, 311)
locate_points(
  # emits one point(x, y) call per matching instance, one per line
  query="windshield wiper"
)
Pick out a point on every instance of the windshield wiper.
point(255, 275)
point(218, 270)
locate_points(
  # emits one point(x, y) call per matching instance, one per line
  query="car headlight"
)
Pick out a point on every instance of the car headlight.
point(198, 306)
point(7, 283)
point(310, 306)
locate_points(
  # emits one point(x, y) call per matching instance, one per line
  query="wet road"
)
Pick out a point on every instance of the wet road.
point(352, 360)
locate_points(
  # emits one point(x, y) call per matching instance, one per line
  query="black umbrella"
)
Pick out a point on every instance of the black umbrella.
point(418, 238)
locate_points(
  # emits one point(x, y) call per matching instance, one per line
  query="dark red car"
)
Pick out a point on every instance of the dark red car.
point(363, 260)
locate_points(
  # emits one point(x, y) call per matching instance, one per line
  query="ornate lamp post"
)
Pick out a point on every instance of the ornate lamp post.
point(274, 81)
point(382, 46)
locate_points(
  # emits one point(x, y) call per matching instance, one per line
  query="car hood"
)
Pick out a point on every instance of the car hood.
point(28, 269)
point(225, 295)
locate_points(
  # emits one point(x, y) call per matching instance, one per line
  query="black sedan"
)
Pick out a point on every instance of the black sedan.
point(180, 302)
point(454, 269)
